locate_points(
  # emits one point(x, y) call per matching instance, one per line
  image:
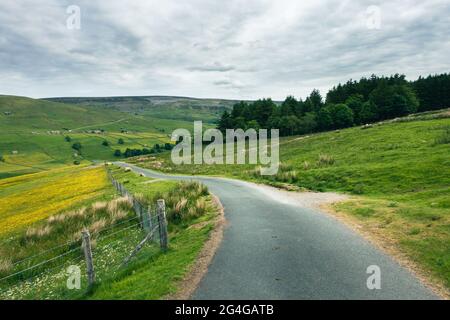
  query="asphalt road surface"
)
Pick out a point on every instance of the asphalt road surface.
point(275, 250)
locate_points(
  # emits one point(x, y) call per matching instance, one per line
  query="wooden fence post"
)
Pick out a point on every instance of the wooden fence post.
point(88, 256)
point(161, 214)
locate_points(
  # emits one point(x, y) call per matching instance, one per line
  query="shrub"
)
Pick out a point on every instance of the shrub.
point(76, 146)
point(180, 207)
point(306, 165)
point(187, 200)
point(105, 143)
point(76, 162)
point(199, 209)
point(5, 265)
point(285, 167)
point(120, 141)
point(288, 176)
point(68, 139)
point(97, 226)
point(168, 146)
point(358, 189)
point(443, 138)
point(136, 152)
point(99, 206)
point(38, 233)
point(325, 160)
point(117, 153)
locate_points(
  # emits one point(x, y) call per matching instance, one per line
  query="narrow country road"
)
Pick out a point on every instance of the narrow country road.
point(273, 249)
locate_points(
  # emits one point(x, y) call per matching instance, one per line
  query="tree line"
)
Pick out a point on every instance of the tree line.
point(352, 103)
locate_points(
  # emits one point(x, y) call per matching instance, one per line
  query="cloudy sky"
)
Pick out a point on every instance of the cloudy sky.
point(206, 48)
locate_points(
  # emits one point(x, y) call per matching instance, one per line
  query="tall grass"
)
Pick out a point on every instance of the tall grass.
point(444, 138)
point(62, 228)
point(186, 201)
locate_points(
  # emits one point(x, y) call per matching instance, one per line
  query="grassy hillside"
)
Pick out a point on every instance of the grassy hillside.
point(398, 173)
point(32, 133)
point(175, 108)
point(19, 114)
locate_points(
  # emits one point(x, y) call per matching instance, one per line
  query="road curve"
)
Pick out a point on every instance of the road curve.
point(276, 250)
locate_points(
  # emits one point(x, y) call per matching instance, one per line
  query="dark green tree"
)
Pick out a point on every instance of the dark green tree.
point(341, 115)
point(263, 110)
point(239, 123)
point(369, 113)
point(77, 146)
point(225, 122)
point(288, 125)
point(394, 100)
point(168, 146)
point(289, 106)
point(314, 102)
point(355, 103)
point(324, 119)
point(307, 123)
point(253, 124)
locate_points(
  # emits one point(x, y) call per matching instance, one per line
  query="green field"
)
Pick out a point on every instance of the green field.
point(32, 133)
point(73, 203)
point(398, 174)
point(174, 108)
point(47, 199)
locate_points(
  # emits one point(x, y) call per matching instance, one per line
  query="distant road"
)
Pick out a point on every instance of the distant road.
point(273, 249)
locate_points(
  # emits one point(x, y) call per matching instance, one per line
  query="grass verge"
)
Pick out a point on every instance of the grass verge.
point(399, 171)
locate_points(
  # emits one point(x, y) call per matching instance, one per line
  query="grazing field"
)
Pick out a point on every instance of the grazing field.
point(29, 198)
point(34, 261)
point(33, 133)
point(398, 173)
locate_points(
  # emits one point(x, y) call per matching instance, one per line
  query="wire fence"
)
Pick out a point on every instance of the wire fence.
point(96, 257)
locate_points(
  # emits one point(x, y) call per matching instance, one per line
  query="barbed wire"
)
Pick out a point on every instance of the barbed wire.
point(151, 220)
point(39, 264)
point(113, 226)
point(45, 251)
point(78, 259)
point(121, 230)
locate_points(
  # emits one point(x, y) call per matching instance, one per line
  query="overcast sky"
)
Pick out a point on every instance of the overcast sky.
point(204, 48)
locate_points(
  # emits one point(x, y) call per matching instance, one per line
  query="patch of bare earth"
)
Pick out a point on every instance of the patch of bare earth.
point(301, 199)
point(190, 282)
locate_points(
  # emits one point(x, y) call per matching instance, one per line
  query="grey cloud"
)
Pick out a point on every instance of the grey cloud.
point(215, 67)
point(233, 49)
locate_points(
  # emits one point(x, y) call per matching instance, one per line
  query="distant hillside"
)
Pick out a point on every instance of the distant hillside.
point(165, 107)
point(20, 113)
point(33, 133)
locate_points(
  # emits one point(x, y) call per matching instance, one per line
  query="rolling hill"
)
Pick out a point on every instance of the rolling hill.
point(163, 107)
point(33, 131)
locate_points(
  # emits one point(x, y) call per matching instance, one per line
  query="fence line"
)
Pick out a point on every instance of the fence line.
point(151, 222)
point(39, 264)
point(46, 251)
